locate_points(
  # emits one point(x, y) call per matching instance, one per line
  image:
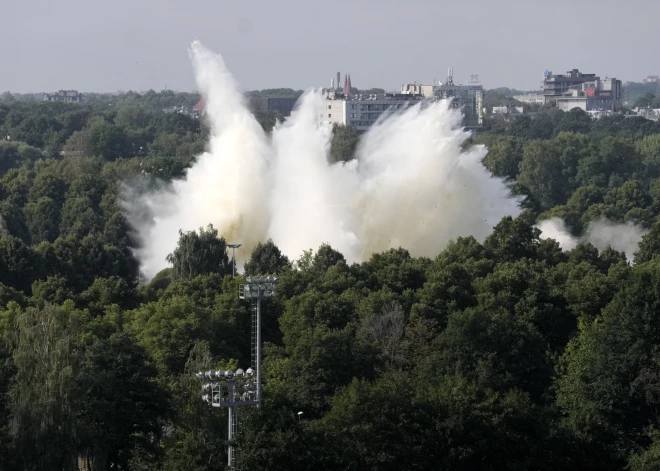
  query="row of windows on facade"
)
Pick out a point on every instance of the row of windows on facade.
point(365, 115)
point(375, 107)
point(362, 115)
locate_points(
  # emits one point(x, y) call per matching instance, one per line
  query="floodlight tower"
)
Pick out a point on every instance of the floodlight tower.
point(229, 389)
point(256, 289)
point(241, 388)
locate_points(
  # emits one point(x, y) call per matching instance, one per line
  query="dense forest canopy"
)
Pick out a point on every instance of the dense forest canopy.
point(506, 353)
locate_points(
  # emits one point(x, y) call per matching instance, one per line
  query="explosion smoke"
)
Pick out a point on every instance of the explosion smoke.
point(412, 185)
point(601, 234)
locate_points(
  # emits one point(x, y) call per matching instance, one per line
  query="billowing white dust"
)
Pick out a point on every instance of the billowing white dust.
point(600, 233)
point(412, 185)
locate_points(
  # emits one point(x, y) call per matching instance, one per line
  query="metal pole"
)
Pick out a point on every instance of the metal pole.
point(259, 352)
point(230, 448)
point(233, 258)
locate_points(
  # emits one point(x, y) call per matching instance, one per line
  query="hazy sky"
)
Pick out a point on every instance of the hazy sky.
point(101, 45)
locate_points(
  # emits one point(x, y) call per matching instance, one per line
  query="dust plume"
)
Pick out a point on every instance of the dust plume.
point(600, 233)
point(412, 184)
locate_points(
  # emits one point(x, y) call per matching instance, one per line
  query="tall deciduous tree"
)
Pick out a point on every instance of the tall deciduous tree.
point(199, 254)
point(266, 258)
point(344, 143)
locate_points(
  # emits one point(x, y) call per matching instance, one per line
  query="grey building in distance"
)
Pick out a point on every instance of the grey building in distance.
point(577, 90)
point(65, 96)
point(363, 110)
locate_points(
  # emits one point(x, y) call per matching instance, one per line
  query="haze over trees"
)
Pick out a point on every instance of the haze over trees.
point(502, 354)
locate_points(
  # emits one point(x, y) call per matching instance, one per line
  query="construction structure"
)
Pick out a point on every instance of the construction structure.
point(362, 110)
point(577, 90)
point(241, 388)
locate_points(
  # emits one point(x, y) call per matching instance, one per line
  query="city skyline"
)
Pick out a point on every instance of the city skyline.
point(143, 45)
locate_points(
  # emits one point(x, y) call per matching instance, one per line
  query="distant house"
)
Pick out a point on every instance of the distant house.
point(198, 109)
point(64, 96)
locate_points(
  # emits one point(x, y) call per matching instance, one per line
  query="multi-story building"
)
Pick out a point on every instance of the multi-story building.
point(65, 96)
point(652, 79)
point(362, 111)
point(585, 91)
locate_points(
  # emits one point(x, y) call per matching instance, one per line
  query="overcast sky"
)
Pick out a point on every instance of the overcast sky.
point(94, 45)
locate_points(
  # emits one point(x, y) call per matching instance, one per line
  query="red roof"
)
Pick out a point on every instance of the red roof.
point(199, 106)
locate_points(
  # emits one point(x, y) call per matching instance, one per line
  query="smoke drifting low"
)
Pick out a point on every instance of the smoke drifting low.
point(601, 234)
point(411, 185)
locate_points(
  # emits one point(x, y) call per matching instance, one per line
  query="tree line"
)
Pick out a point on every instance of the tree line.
point(506, 353)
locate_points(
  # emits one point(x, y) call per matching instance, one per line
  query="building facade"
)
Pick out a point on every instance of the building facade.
point(531, 99)
point(468, 97)
point(65, 96)
point(585, 91)
point(283, 105)
point(508, 110)
point(362, 111)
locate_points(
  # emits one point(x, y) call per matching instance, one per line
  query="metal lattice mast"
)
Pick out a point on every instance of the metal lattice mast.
point(242, 388)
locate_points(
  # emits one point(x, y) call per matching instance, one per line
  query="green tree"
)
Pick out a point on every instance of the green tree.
point(266, 259)
point(44, 353)
point(122, 408)
point(43, 219)
point(20, 265)
point(608, 385)
point(344, 143)
point(504, 156)
point(540, 173)
point(199, 254)
point(106, 140)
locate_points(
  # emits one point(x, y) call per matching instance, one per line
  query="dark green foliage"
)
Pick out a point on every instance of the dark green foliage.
point(506, 353)
point(344, 143)
point(199, 254)
point(122, 408)
point(19, 264)
point(266, 259)
point(268, 119)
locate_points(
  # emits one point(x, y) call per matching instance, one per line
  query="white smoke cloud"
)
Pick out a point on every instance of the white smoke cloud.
point(601, 233)
point(311, 201)
point(419, 190)
point(411, 185)
point(225, 187)
point(555, 228)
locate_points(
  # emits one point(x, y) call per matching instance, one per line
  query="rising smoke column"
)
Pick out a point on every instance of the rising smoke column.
point(411, 186)
point(311, 202)
point(225, 187)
